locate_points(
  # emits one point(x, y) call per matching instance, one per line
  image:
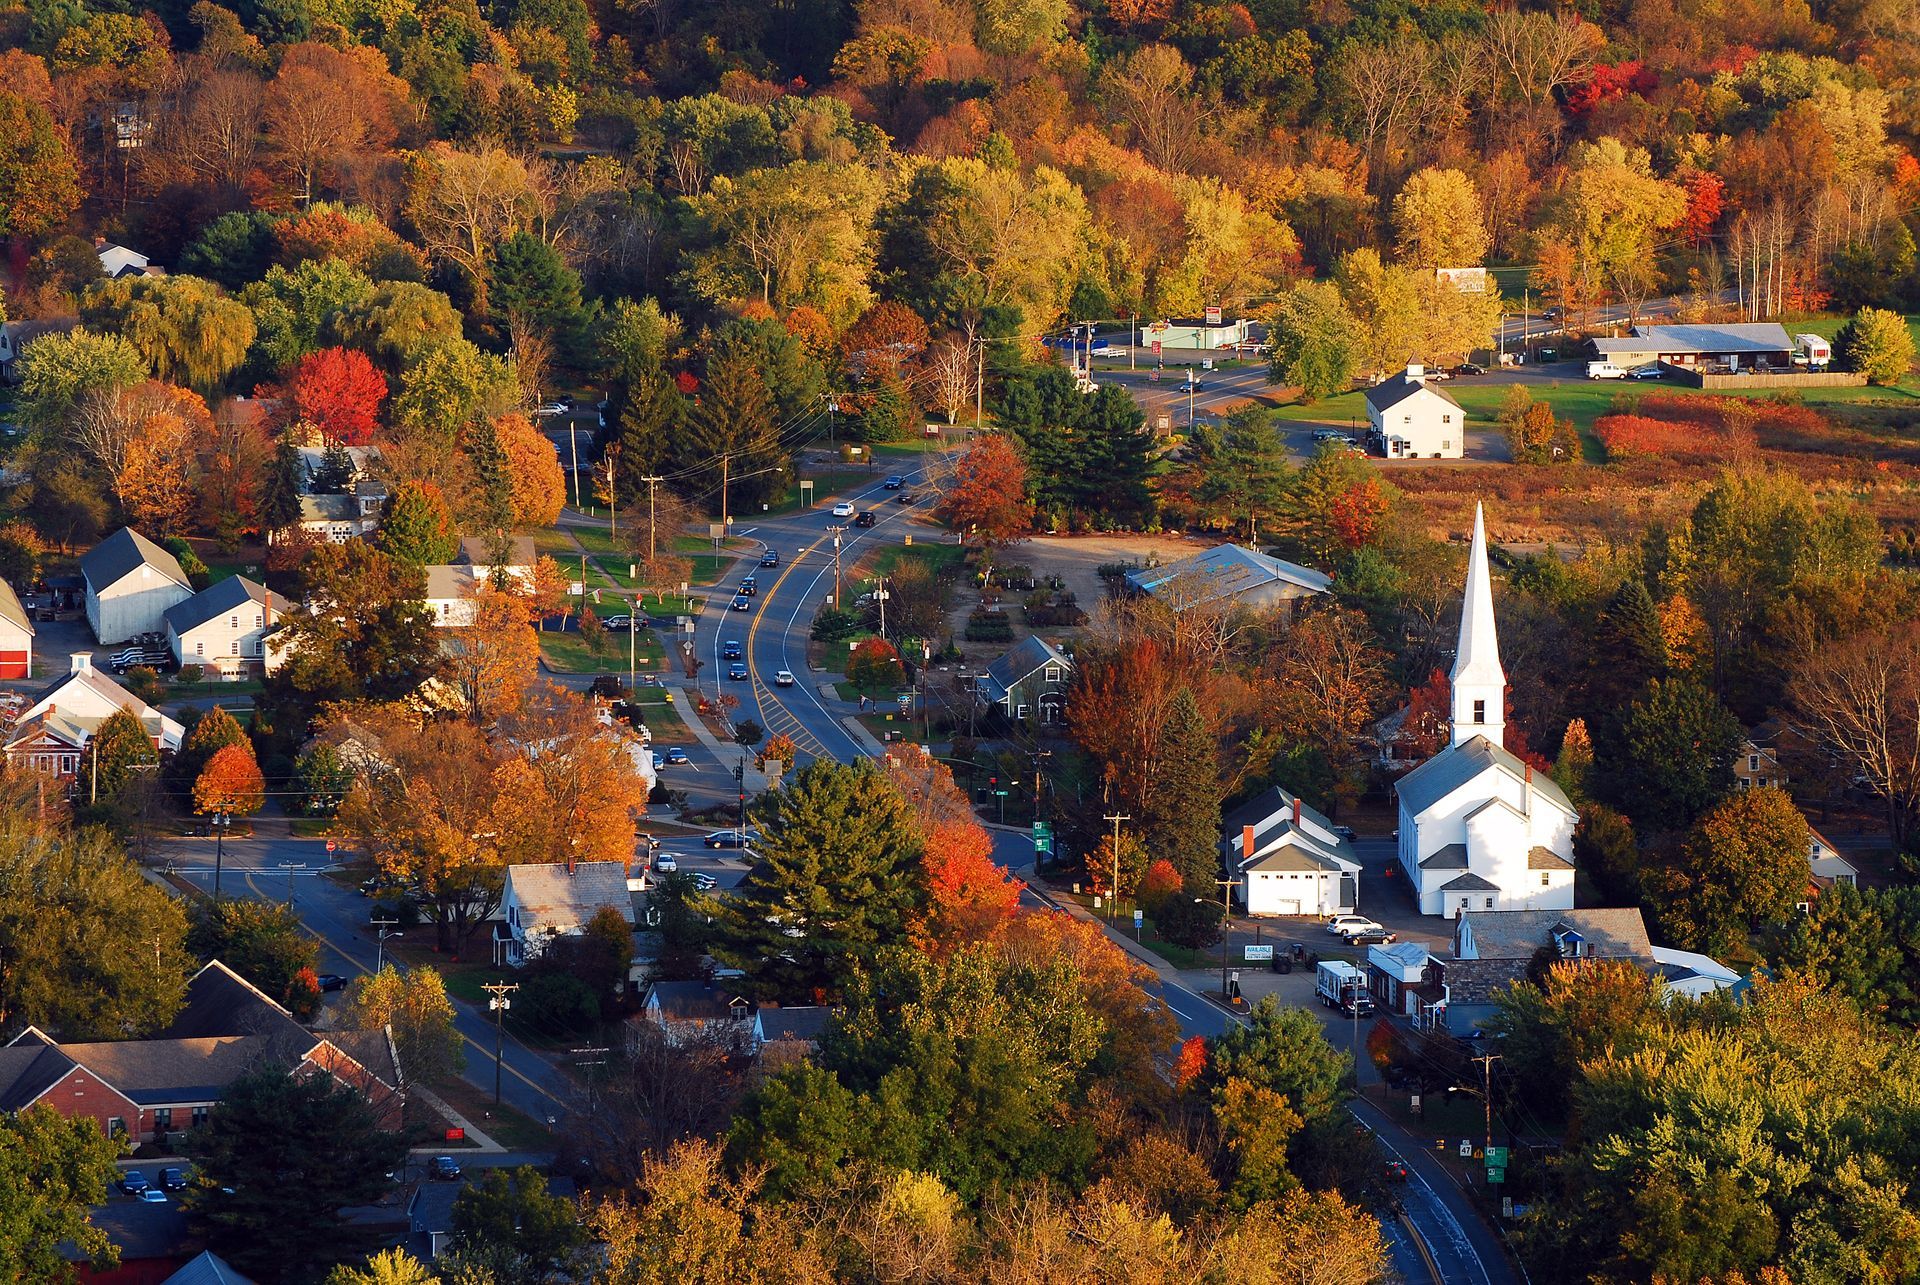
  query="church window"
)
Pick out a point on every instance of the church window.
point(1546, 881)
point(1479, 711)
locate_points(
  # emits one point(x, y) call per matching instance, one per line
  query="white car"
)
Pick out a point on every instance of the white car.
point(1105, 350)
point(1359, 926)
point(666, 863)
point(783, 679)
point(1340, 925)
point(550, 408)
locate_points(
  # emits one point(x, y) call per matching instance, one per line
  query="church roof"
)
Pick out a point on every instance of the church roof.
point(1458, 764)
point(1451, 857)
point(1546, 859)
point(1477, 659)
point(1469, 882)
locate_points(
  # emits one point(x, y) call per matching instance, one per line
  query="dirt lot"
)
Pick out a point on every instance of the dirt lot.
point(1077, 559)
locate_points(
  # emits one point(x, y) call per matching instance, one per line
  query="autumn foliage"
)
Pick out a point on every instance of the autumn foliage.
point(338, 391)
point(874, 664)
point(230, 783)
point(1191, 1062)
point(987, 500)
point(1355, 513)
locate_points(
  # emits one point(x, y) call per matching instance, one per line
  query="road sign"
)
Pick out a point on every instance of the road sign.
point(1496, 1156)
point(330, 845)
point(1138, 915)
point(1213, 316)
point(1496, 1173)
point(1257, 953)
point(1156, 347)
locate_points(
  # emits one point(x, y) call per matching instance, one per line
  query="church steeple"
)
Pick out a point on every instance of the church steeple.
point(1479, 684)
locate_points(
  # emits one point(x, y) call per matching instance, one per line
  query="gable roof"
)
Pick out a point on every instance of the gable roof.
point(331, 507)
point(1020, 662)
point(11, 610)
point(1388, 393)
point(1469, 882)
point(546, 894)
point(475, 551)
point(1229, 570)
point(1733, 337)
point(447, 581)
point(121, 554)
point(29, 1069)
point(1608, 932)
point(157, 1072)
point(695, 1002)
point(208, 1268)
point(222, 599)
point(1266, 805)
point(1539, 858)
point(1451, 857)
point(50, 710)
point(1456, 765)
point(221, 1002)
point(803, 1025)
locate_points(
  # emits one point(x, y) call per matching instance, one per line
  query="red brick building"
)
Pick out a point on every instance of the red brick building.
point(153, 1087)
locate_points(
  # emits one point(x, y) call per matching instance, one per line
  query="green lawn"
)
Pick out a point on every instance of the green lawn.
point(568, 653)
point(935, 557)
point(661, 713)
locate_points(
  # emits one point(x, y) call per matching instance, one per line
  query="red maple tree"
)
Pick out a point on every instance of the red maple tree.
point(338, 391)
point(970, 897)
point(987, 501)
point(1355, 513)
point(1190, 1062)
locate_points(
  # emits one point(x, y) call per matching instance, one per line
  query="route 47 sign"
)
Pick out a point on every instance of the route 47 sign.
point(1042, 837)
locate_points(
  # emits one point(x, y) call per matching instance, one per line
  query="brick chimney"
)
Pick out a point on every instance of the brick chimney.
point(1296, 810)
point(1246, 841)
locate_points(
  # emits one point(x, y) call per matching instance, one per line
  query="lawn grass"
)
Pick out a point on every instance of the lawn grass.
point(935, 557)
point(1120, 915)
point(661, 712)
point(568, 653)
point(506, 1126)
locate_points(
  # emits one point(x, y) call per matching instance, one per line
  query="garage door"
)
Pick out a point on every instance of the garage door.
point(1287, 907)
point(13, 664)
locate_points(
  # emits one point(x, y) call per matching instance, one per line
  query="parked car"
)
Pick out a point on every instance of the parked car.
point(730, 650)
point(607, 687)
point(666, 863)
point(1105, 350)
point(1328, 435)
point(770, 559)
point(866, 519)
point(1371, 937)
point(332, 982)
point(619, 623)
point(133, 1182)
point(677, 756)
point(173, 1178)
point(1351, 930)
point(704, 881)
point(783, 679)
point(844, 509)
point(150, 1196)
point(742, 604)
point(895, 482)
point(1469, 368)
point(551, 408)
point(1651, 370)
point(737, 672)
point(730, 838)
point(1337, 924)
point(443, 1168)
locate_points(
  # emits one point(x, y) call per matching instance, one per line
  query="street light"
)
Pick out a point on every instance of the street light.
point(380, 941)
point(219, 821)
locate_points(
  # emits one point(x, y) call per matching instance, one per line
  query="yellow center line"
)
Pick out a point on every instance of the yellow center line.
point(762, 693)
point(354, 963)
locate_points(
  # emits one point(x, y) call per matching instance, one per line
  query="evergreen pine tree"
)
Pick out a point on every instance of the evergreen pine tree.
point(280, 496)
point(335, 473)
point(1183, 813)
point(839, 875)
point(1629, 651)
point(417, 528)
point(650, 414)
point(494, 474)
point(735, 419)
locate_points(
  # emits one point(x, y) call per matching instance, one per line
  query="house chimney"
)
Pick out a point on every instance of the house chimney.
point(80, 662)
point(1296, 809)
point(1526, 794)
point(1246, 841)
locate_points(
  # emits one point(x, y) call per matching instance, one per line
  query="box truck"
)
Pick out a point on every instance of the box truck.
point(1343, 986)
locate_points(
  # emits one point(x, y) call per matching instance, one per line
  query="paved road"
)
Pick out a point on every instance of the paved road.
point(260, 869)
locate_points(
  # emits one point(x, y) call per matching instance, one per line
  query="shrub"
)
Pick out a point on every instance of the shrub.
point(191, 674)
point(989, 626)
point(875, 664)
point(556, 1005)
point(1186, 922)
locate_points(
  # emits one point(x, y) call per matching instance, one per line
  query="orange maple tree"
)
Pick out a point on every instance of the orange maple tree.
point(987, 500)
point(230, 782)
point(1191, 1061)
point(970, 897)
point(338, 391)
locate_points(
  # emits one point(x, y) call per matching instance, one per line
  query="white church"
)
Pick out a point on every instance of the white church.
point(1479, 829)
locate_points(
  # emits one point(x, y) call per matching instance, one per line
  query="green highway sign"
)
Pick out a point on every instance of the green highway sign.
point(1042, 836)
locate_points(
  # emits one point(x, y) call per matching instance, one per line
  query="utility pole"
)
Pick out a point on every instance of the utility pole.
point(651, 528)
point(380, 940)
point(633, 634)
point(299, 865)
point(499, 1003)
point(1486, 1061)
point(573, 441)
point(726, 464)
point(1226, 909)
point(1113, 890)
point(611, 461)
point(979, 383)
point(598, 1058)
point(1037, 756)
point(880, 593)
point(836, 530)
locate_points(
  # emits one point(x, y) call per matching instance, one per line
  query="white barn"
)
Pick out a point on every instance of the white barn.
point(1412, 419)
point(131, 582)
point(224, 626)
point(1290, 859)
point(1479, 829)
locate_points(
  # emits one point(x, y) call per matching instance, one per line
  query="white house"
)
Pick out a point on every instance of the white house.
point(51, 732)
point(1229, 572)
point(1685, 972)
point(342, 517)
point(1479, 829)
point(16, 635)
point(545, 901)
point(1826, 866)
point(119, 261)
point(223, 627)
point(1290, 859)
point(686, 1011)
point(1412, 419)
point(131, 582)
point(451, 587)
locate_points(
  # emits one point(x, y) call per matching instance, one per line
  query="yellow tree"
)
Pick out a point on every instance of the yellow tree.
point(490, 662)
point(415, 1008)
point(582, 774)
point(533, 469)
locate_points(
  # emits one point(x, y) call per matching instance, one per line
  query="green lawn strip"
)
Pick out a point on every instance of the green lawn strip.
point(935, 557)
point(506, 1126)
point(1120, 917)
point(661, 713)
point(568, 653)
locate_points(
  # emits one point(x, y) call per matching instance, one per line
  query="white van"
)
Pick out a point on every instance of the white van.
point(1605, 370)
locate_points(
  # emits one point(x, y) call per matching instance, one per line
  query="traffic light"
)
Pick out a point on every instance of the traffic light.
point(994, 781)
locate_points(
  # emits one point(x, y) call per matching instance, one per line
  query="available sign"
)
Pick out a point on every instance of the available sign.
point(1256, 953)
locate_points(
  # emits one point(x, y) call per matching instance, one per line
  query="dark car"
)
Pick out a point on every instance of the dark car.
point(173, 1179)
point(737, 672)
point(607, 686)
point(730, 650)
point(729, 839)
point(1469, 368)
point(865, 519)
point(742, 604)
point(443, 1168)
point(133, 1182)
point(770, 559)
point(619, 624)
point(748, 588)
point(332, 982)
point(895, 482)
point(676, 756)
point(905, 497)
point(1372, 937)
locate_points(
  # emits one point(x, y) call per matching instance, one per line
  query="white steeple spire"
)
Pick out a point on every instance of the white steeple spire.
point(1479, 684)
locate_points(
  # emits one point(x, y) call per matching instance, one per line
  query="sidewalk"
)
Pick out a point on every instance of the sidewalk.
point(480, 1141)
point(754, 780)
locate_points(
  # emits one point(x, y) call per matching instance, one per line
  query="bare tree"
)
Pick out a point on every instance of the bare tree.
point(216, 133)
point(950, 369)
point(1384, 86)
point(1859, 699)
point(657, 1090)
point(323, 107)
point(1153, 92)
point(1535, 53)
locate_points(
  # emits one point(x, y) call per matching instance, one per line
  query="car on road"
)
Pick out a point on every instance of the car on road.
point(737, 672)
point(742, 604)
point(730, 650)
point(748, 588)
point(905, 497)
point(1349, 931)
point(332, 982)
point(677, 756)
point(1105, 350)
point(770, 559)
point(1338, 924)
point(551, 408)
point(666, 863)
point(1469, 368)
point(895, 482)
point(133, 1182)
point(173, 1178)
point(704, 881)
point(844, 509)
point(1394, 1171)
point(783, 679)
point(1371, 937)
point(620, 623)
point(730, 838)
point(443, 1168)
point(866, 519)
